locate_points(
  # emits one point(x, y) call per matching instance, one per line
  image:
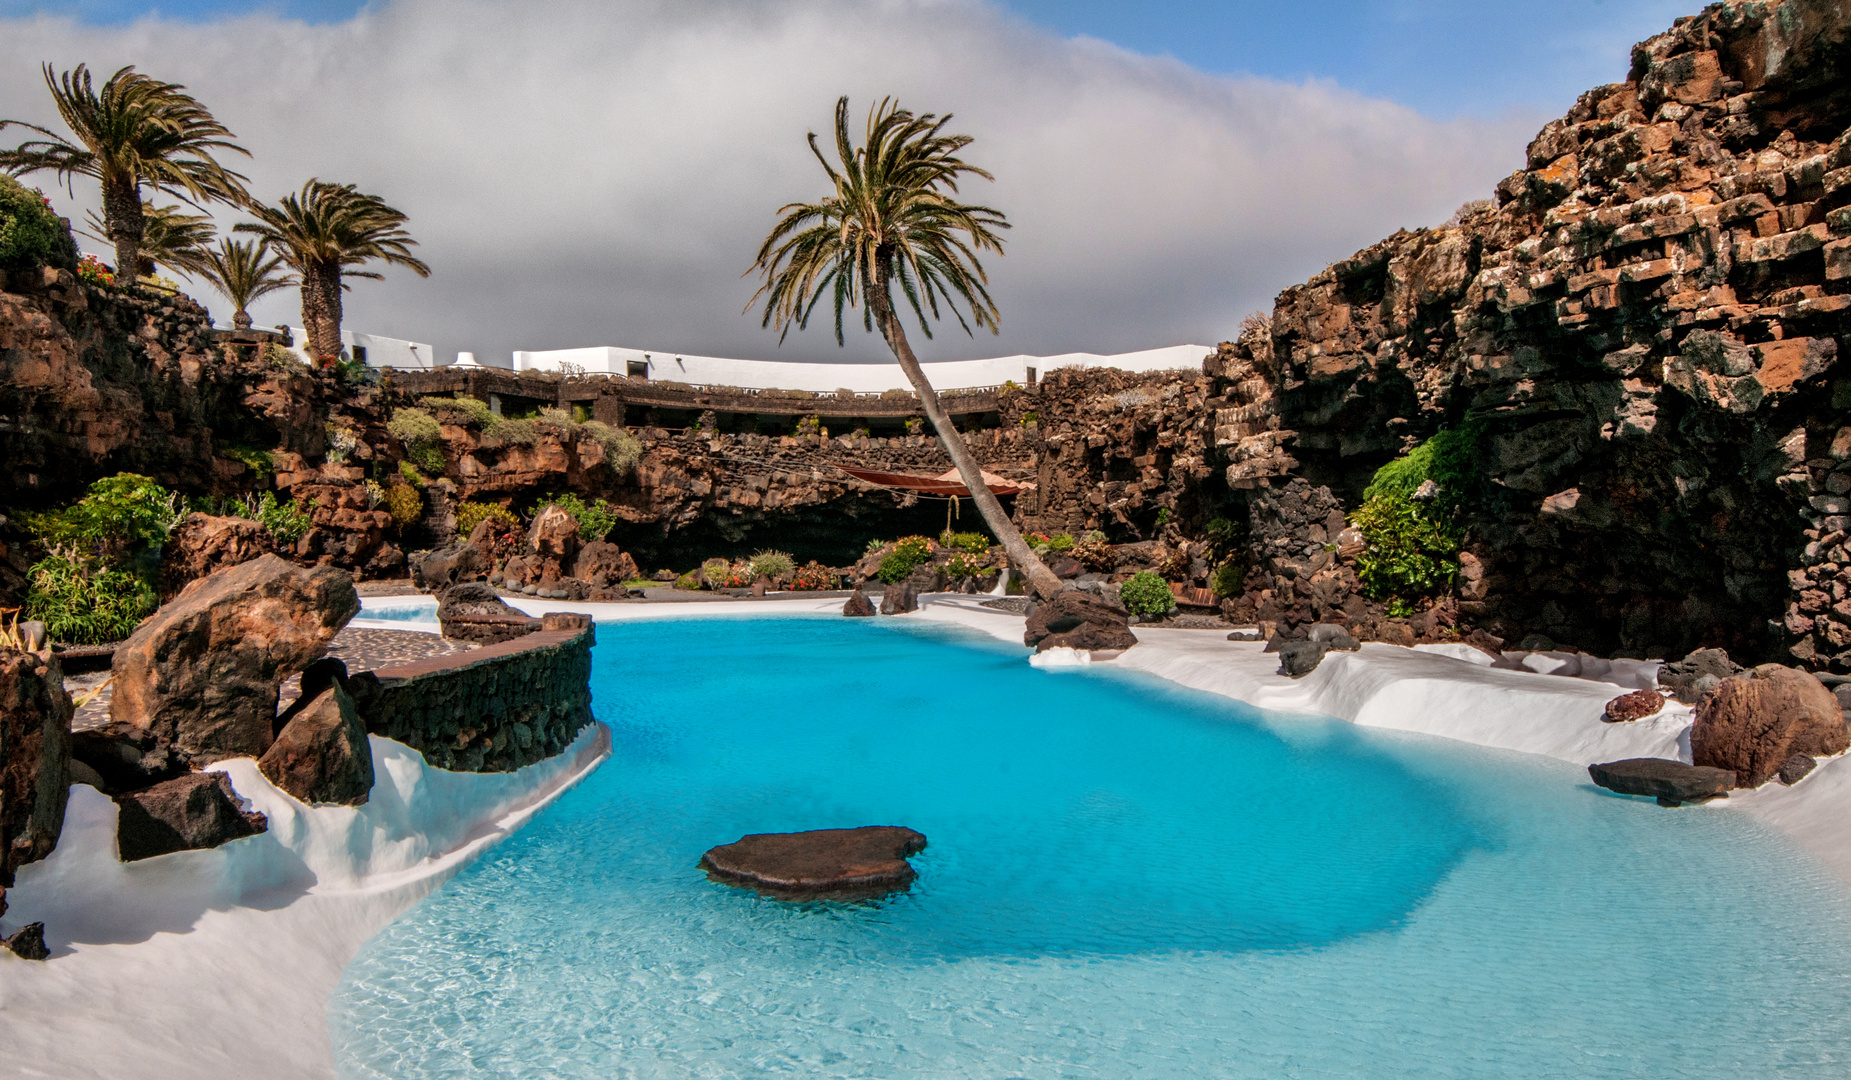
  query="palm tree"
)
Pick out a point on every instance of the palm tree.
point(893, 219)
point(321, 233)
point(169, 237)
point(242, 271)
point(139, 132)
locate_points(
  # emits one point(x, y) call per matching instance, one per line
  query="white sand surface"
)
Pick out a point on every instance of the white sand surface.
point(220, 963)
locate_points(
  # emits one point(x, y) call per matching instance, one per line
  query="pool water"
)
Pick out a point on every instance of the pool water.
point(1123, 880)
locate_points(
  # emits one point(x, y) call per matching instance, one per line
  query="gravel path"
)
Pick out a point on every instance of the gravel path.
point(362, 649)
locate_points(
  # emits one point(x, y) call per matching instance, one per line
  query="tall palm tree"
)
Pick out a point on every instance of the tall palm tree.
point(894, 220)
point(170, 237)
point(139, 132)
point(242, 271)
point(320, 234)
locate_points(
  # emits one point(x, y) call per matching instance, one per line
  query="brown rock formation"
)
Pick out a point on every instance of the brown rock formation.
point(1672, 783)
point(1634, 706)
point(1075, 619)
point(1753, 723)
point(202, 673)
point(858, 605)
point(203, 543)
point(321, 755)
point(821, 864)
point(35, 754)
point(198, 810)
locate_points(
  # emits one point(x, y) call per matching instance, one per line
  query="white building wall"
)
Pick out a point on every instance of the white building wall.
point(381, 352)
point(862, 378)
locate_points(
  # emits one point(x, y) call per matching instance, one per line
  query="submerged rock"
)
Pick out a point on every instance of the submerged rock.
point(198, 810)
point(820, 864)
point(1670, 782)
point(1634, 706)
point(1753, 723)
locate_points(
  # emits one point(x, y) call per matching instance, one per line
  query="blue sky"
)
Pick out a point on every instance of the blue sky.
point(1443, 57)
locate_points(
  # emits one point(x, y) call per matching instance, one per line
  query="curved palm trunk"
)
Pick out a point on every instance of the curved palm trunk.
point(1041, 580)
point(321, 312)
point(122, 214)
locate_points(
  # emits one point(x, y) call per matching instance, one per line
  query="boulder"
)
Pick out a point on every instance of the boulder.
point(1796, 768)
point(1333, 637)
point(858, 606)
point(1753, 723)
point(204, 543)
point(28, 942)
point(1066, 567)
point(35, 756)
point(1634, 706)
point(202, 672)
point(124, 758)
point(321, 756)
point(1670, 782)
point(821, 864)
point(474, 611)
point(603, 565)
point(1077, 619)
point(553, 536)
point(899, 599)
point(1697, 674)
point(198, 810)
point(1298, 659)
point(435, 571)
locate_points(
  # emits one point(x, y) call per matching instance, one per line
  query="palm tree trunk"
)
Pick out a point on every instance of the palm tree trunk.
point(122, 215)
point(1041, 580)
point(321, 312)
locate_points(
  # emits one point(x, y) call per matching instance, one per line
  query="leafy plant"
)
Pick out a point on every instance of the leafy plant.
point(874, 546)
point(31, 233)
point(404, 504)
point(342, 441)
point(907, 554)
point(1163, 515)
point(1060, 541)
point(1146, 595)
point(968, 542)
point(468, 410)
point(1413, 543)
point(84, 602)
point(812, 577)
point(621, 450)
point(421, 435)
point(118, 514)
point(722, 574)
point(964, 565)
point(772, 564)
point(594, 521)
point(1030, 418)
point(262, 463)
point(91, 271)
point(288, 522)
point(470, 514)
point(408, 472)
point(689, 581)
point(1229, 579)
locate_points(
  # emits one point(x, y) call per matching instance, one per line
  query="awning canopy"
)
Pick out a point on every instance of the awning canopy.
point(945, 484)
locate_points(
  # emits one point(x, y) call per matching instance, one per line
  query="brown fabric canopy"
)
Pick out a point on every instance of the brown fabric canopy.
point(946, 484)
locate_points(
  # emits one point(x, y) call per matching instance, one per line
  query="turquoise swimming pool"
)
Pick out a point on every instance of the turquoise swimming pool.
point(1123, 879)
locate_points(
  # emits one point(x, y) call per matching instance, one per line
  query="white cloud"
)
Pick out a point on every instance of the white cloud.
point(602, 172)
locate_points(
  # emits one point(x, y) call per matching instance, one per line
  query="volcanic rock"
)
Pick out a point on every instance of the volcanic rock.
point(1634, 706)
point(1753, 723)
point(198, 810)
point(821, 864)
point(28, 942)
point(858, 605)
point(474, 611)
point(1300, 658)
point(35, 754)
point(1697, 674)
point(899, 598)
point(125, 758)
point(1077, 619)
point(602, 565)
point(1670, 782)
point(554, 535)
point(322, 756)
point(1796, 768)
point(203, 543)
point(435, 571)
point(202, 673)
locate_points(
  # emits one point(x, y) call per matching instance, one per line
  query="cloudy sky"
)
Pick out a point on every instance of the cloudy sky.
point(586, 172)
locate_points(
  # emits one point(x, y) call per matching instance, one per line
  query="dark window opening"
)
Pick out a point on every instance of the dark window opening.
point(638, 369)
point(359, 354)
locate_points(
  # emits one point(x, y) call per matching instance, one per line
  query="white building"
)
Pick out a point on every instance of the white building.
point(374, 350)
point(861, 378)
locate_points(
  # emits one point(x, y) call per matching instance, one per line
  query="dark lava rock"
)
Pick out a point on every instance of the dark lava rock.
point(1697, 674)
point(124, 758)
point(35, 757)
point(321, 756)
point(1077, 619)
point(1333, 637)
point(1670, 782)
point(1066, 567)
point(899, 599)
point(473, 611)
point(1795, 768)
point(858, 605)
point(1634, 706)
point(821, 864)
point(198, 810)
point(1300, 658)
point(28, 942)
point(1753, 723)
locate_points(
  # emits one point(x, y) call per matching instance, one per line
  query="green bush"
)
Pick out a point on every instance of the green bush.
point(1061, 541)
point(404, 504)
point(907, 554)
point(968, 542)
point(85, 603)
point(31, 234)
point(690, 580)
point(518, 432)
point(262, 463)
point(813, 576)
point(595, 521)
point(288, 522)
point(466, 409)
point(422, 437)
point(118, 514)
point(621, 450)
point(1229, 579)
point(772, 564)
point(471, 514)
point(1413, 545)
point(965, 565)
point(1146, 595)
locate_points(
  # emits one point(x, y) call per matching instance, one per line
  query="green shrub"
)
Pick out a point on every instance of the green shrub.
point(907, 554)
point(690, 580)
point(874, 546)
point(85, 603)
point(1413, 545)
point(262, 463)
point(772, 564)
point(288, 522)
point(1164, 515)
point(595, 521)
point(422, 437)
point(466, 409)
point(1146, 595)
point(968, 542)
point(965, 565)
point(621, 450)
point(31, 233)
point(408, 472)
point(518, 432)
point(1229, 579)
point(1060, 541)
point(118, 514)
point(404, 504)
point(471, 514)
point(813, 576)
